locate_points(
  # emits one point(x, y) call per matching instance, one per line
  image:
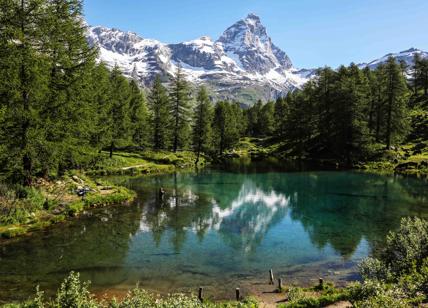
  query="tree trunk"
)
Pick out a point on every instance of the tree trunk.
point(111, 149)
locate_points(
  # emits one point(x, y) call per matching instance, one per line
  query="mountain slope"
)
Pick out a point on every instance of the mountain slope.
point(243, 64)
point(407, 56)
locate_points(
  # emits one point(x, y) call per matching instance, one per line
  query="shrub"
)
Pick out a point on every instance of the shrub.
point(406, 246)
point(74, 294)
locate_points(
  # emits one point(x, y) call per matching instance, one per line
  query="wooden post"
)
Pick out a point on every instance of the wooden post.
point(321, 282)
point(271, 277)
point(201, 294)
point(238, 294)
point(279, 284)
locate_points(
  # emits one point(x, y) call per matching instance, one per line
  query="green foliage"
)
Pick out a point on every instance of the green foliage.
point(314, 297)
point(399, 276)
point(180, 103)
point(227, 126)
point(18, 203)
point(202, 130)
point(377, 294)
point(74, 294)
point(341, 114)
point(160, 116)
point(407, 246)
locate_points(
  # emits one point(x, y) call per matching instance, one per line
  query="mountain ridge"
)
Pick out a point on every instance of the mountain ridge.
point(243, 64)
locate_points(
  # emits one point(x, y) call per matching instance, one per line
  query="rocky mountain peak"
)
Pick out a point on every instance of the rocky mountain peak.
point(247, 40)
point(243, 60)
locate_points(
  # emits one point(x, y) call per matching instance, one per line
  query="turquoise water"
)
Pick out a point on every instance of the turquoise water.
point(220, 229)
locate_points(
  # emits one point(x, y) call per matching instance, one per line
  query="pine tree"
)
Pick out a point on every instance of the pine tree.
point(267, 119)
point(281, 113)
point(416, 72)
point(325, 97)
point(351, 135)
point(202, 131)
point(395, 94)
point(119, 124)
point(220, 126)
point(138, 116)
point(161, 121)
point(227, 125)
point(180, 100)
point(99, 102)
point(24, 84)
point(254, 123)
point(65, 111)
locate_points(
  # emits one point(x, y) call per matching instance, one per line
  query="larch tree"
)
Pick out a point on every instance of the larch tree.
point(395, 94)
point(160, 117)
point(180, 102)
point(138, 116)
point(202, 127)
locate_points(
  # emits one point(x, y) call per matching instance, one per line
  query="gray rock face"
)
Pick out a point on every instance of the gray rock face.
point(243, 64)
point(249, 42)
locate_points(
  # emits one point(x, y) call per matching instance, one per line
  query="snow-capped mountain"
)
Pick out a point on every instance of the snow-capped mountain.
point(407, 56)
point(243, 64)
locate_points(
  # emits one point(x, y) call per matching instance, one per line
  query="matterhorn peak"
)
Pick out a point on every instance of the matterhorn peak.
point(252, 18)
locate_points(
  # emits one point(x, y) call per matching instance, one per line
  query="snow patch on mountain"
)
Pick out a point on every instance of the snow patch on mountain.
point(243, 64)
point(406, 56)
point(242, 59)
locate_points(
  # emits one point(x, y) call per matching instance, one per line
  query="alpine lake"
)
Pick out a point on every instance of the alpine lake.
point(219, 228)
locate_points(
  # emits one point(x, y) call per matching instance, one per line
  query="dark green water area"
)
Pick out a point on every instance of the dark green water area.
point(221, 229)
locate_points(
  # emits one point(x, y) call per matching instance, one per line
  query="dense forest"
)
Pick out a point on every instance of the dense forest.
point(348, 113)
point(59, 108)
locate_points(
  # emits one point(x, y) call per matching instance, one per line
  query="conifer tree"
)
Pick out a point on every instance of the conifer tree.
point(24, 84)
point(202, 128)
point(99, 101)
point(267, 120)
point(395, 93)
point(138, 116)
point(180, 100)
point(161, 121)
point(65, 110)
point(220, 124)
point(119, 125)
point(281, 113)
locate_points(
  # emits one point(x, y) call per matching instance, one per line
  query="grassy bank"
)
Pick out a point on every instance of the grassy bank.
point(143, 162)
point(74, 293)
point(27, 209)
point(409, 158)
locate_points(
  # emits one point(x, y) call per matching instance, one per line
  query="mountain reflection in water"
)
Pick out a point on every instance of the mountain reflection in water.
point(219, 229)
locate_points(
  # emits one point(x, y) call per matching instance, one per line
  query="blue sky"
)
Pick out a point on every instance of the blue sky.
point(312, 32)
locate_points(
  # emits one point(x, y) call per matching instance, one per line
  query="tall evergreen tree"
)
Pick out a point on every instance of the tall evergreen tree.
point(281, 113)
point(65, 110)
point(267, 119)
point(227, 127)
point(202, 129)
point(396, 107)
point(161, 121)
point(180, 100)
point(138, 116)
point(119, 125)
point(24, 84)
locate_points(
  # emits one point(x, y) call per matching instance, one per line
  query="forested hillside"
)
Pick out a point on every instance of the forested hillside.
point(349, 115)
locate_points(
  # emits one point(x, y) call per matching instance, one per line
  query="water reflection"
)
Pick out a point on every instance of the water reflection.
point(337, 209)
point(219, 228)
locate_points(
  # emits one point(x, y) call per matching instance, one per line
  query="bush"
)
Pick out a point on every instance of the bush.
point(406, 246)
point(74, 294)
point(400, 275)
